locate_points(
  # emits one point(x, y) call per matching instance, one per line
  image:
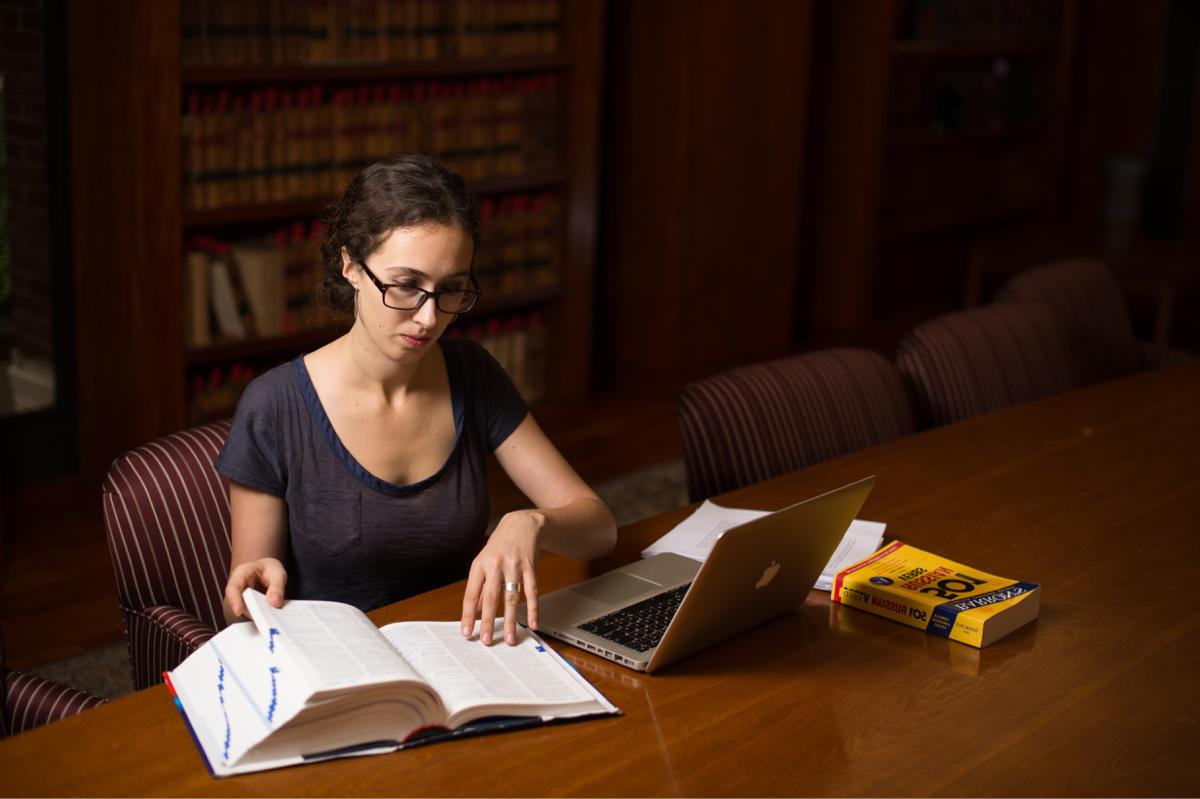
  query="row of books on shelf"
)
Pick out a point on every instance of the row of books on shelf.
point(325, 32)
point(274, 144)
point(268, 286)
point(257, 288)
point(518, 342)
point(958, 20)
point(520, 245)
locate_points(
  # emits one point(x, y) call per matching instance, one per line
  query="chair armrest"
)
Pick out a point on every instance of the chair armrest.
point(30, 701)
point(159, 638)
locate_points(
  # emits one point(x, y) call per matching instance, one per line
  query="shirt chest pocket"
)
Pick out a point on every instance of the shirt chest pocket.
point(330, 520)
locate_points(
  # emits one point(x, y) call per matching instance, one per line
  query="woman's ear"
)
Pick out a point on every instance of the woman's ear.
point(350, 269)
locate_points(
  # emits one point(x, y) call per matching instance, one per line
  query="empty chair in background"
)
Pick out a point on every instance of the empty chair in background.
point(759, 421)
point(984, 359)
point(30, 701)
point(166, 513)
point(1084, 294)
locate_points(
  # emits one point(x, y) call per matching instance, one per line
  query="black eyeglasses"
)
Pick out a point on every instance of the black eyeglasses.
point(410, 296)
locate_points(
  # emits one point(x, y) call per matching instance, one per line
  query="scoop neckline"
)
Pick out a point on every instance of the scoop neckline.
point(347, 459)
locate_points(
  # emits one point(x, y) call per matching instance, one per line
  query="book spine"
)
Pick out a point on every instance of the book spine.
point(199, 310)
point(864, 595)
point(966, 619)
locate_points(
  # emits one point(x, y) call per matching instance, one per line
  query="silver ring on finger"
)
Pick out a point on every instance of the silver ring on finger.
point(512, 588)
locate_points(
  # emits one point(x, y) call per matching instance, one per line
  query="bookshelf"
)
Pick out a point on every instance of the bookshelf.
point(941, 120)
point(137, 178)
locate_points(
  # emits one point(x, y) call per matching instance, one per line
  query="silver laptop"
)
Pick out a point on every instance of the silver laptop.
point(653, 612)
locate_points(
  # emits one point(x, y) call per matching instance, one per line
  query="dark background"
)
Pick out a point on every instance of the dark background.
point(747, 179)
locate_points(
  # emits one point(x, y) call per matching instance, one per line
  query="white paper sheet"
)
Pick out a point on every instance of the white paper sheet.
point(694, 538)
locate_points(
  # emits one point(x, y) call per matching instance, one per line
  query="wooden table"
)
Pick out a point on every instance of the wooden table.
point(1093, 494)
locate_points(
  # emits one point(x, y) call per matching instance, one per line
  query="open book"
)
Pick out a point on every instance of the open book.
point(317, 680)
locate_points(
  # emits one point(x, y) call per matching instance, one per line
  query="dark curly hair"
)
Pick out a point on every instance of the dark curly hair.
point(398, 192)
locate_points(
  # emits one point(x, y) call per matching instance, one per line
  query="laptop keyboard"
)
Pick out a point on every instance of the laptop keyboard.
point(639, 626)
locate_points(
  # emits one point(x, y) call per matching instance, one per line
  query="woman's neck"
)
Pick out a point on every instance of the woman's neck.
point(362, 367)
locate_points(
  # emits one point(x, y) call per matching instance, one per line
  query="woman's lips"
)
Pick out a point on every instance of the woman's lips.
point(415, 341)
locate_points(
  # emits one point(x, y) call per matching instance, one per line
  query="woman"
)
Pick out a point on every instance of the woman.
point(357, 472)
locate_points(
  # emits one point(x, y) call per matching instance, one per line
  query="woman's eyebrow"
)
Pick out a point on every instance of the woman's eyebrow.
point(405, 270)
point(408, 271)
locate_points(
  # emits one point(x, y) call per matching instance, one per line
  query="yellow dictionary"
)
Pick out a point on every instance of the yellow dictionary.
point(926, 591)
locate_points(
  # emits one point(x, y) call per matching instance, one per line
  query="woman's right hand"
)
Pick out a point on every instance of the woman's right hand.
point(265, 574)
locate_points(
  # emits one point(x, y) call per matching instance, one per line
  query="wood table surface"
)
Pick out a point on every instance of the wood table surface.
point(1094, 494)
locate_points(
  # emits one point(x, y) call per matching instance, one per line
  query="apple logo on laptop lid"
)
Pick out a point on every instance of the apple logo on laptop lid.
point(768, 575)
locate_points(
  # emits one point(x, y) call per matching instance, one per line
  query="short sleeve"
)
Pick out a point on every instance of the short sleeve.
point(499, 407)
point(252, 455)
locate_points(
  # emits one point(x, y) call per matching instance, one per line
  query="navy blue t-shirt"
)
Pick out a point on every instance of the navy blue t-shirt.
point(355, 538)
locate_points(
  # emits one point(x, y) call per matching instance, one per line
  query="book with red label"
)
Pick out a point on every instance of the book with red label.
point(936, 594)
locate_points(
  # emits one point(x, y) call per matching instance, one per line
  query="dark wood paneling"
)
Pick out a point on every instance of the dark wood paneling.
point(571, 351)
point(704, 152)
point(850, 121)
point(123, 69)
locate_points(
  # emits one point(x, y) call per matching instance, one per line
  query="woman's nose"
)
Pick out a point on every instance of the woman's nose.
point(427, 313)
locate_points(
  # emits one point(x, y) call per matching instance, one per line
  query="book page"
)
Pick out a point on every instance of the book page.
point(466, 673)
point(337, 645)
point(696, 535)
point(236, 691)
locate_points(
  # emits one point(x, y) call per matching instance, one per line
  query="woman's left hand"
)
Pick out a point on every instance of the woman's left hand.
point(508, 558)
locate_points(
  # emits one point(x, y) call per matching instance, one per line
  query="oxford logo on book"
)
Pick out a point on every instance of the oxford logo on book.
point(768, 575)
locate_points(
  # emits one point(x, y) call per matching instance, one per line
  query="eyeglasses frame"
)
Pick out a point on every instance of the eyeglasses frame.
point(475, 291)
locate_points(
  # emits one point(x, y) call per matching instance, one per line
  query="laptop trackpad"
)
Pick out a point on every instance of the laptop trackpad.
point(615, 587)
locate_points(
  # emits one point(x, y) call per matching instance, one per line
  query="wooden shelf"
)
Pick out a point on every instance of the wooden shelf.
point(256, 348)
point(995, 48)
point(194, 77)
point(238, 215)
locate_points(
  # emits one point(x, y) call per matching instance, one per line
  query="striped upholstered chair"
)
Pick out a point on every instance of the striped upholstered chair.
point(984, 359)
point(166, 511)
point(1086, 297)
point(30, 701)
point(758, 421)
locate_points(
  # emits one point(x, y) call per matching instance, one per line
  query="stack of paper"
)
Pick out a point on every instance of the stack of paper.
point(694, 538)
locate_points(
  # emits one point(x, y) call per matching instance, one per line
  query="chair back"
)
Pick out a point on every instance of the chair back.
point(1084, 294)
point(759, 421)
point(984, 359)
point(166, 512)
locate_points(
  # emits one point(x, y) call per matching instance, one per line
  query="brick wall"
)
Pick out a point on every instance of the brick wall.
point(22, 62)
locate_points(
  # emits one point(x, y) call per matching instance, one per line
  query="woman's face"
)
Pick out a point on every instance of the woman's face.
point(430, 256)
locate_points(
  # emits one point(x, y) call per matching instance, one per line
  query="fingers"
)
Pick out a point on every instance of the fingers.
point(512, 598)
point(531, 598)
point(233, 595)
point(471, 600)
point(275, 577)
point(506, 562)
point(487, 611)
point(267, 575)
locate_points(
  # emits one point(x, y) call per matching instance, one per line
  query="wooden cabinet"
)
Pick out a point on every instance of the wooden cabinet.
point(129, 96)
point(935, 121)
